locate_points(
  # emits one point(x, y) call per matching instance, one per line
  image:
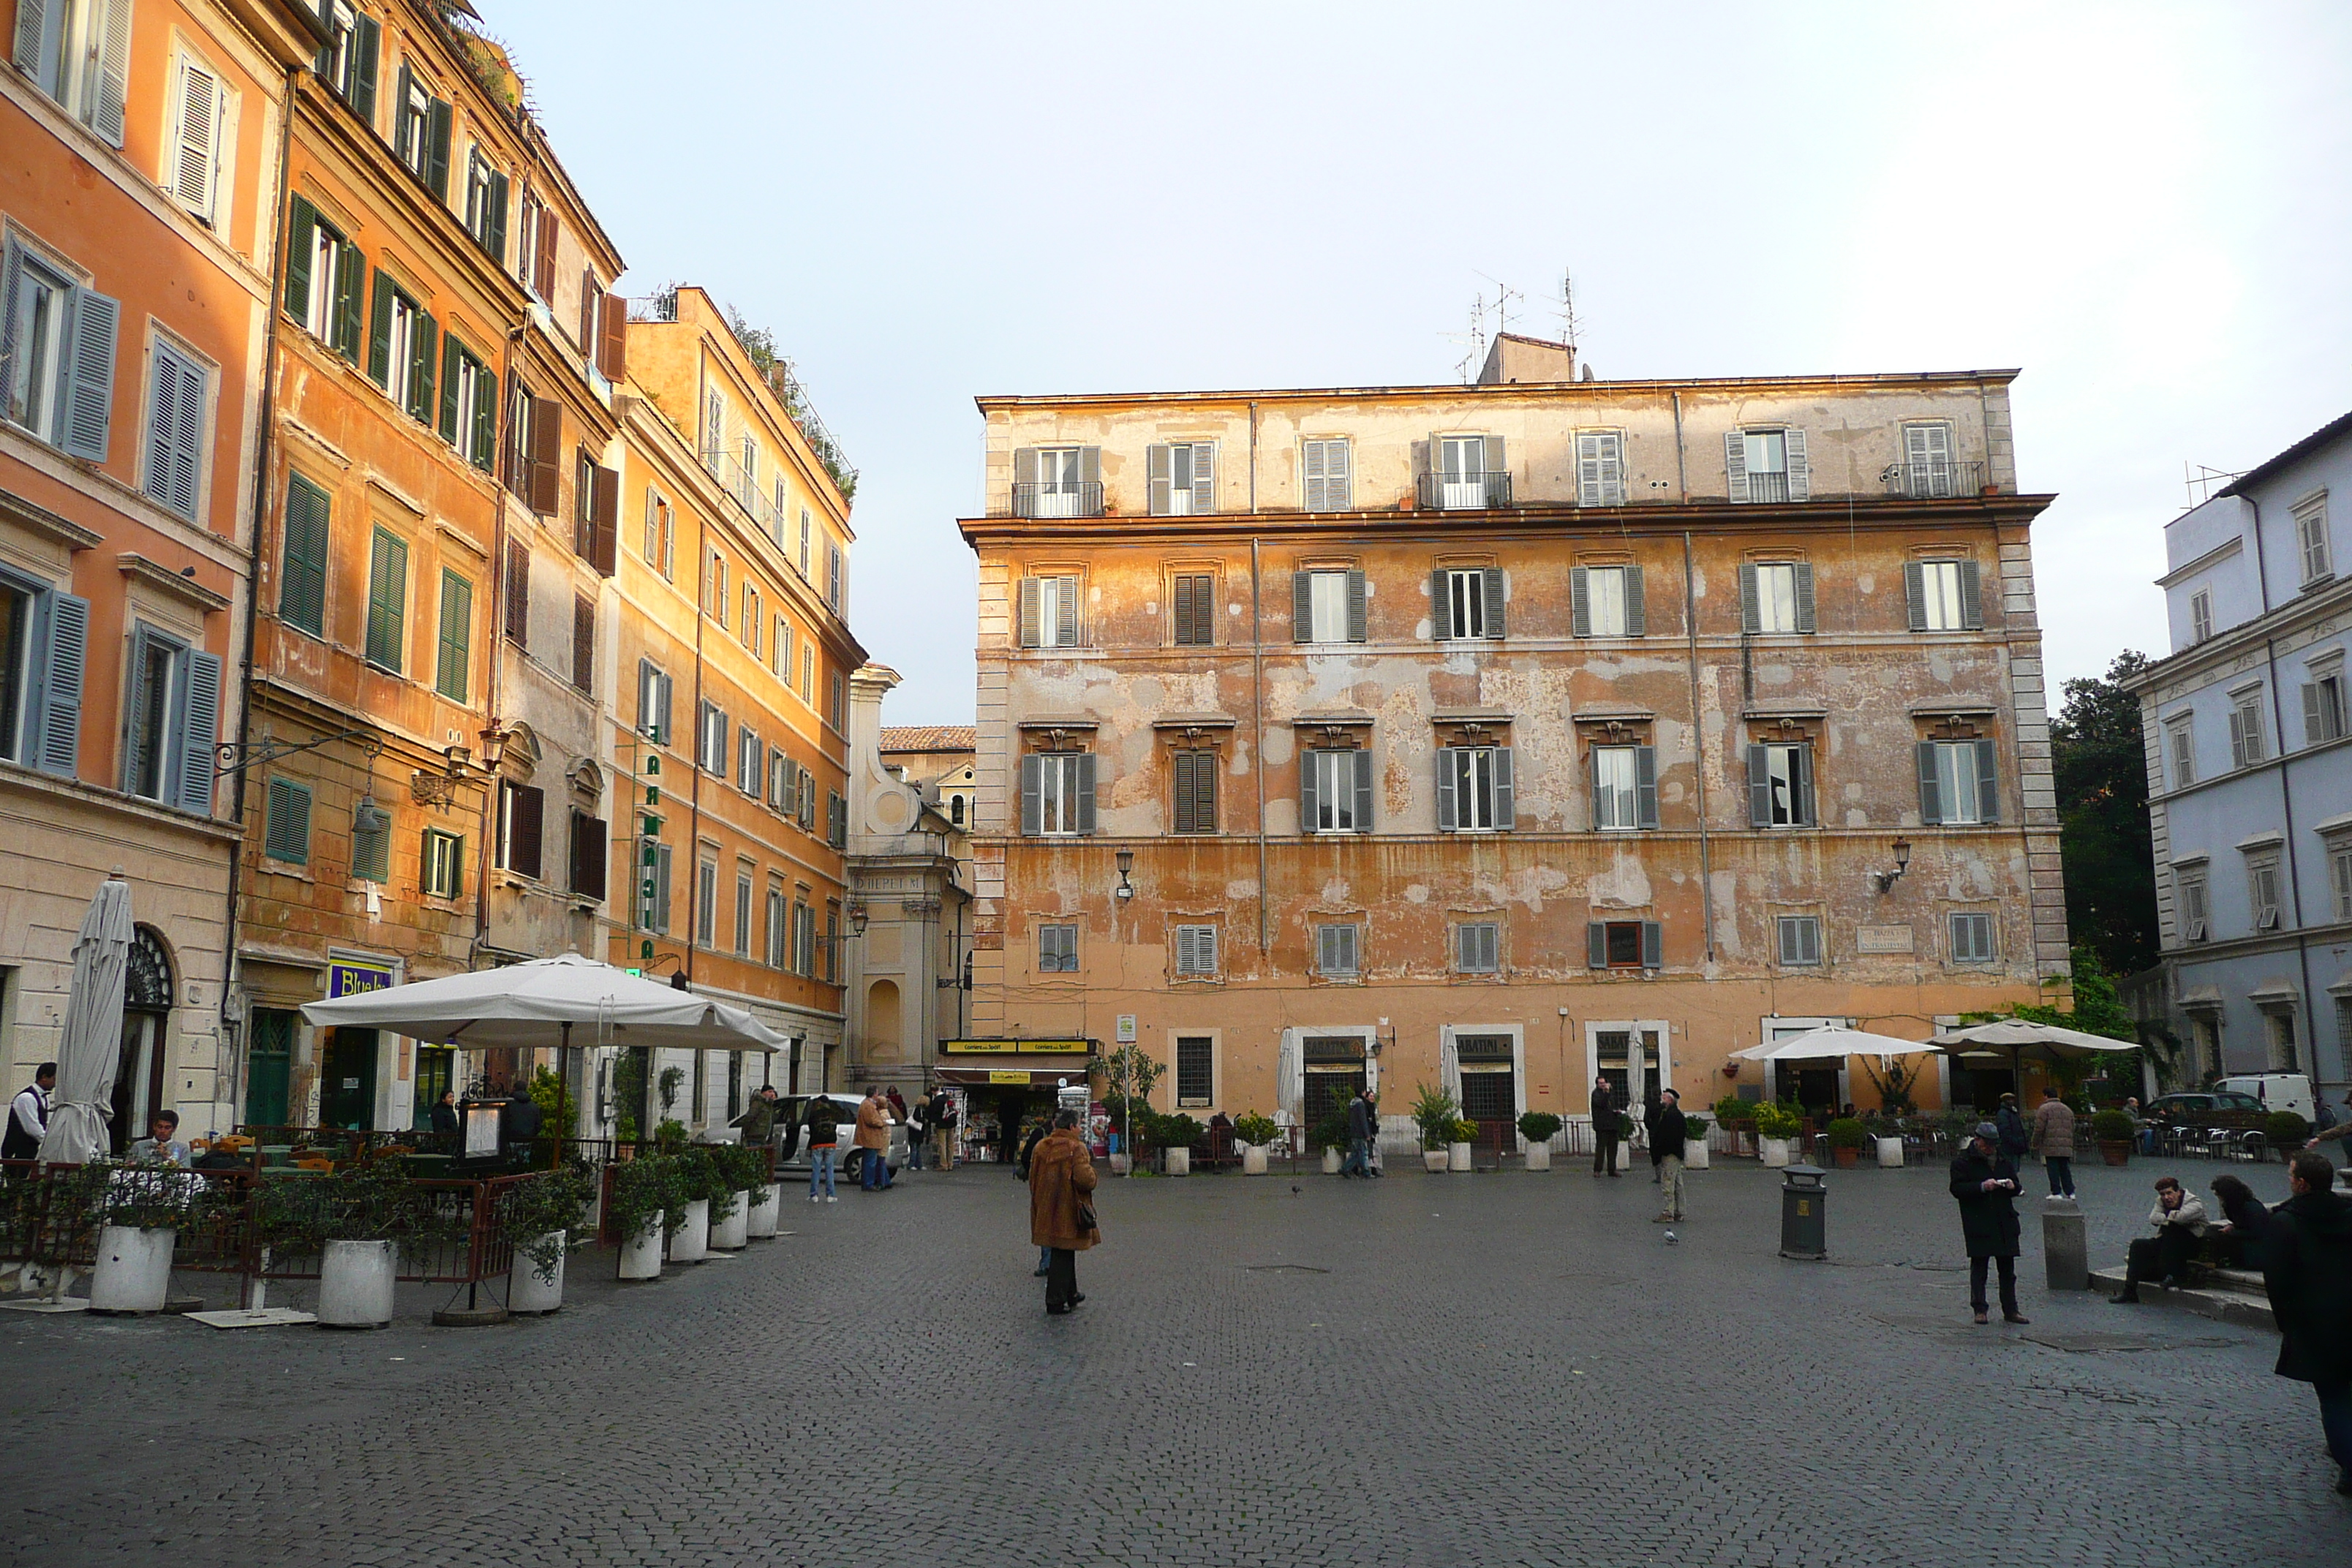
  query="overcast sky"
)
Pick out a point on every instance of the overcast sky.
point(2146, 208)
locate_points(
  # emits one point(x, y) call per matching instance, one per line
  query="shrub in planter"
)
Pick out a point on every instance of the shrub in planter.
point(1847, 1132)
point(1731, 1109)
point(1435, 1112)
point(2284, 1130)
point(1693, 1128)
point(744, 1168)
point(540, 1218)
point(370, 1202)
point(701, 1176)
point(646, 1195)
point(1177, 1131)
point(1331, 1132)
point(1777, 1121)
point(1255, 1130)
point(1539, 1126)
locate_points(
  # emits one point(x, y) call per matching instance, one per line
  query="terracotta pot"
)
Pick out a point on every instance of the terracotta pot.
point(1845, 1158)
point(2115, 1154)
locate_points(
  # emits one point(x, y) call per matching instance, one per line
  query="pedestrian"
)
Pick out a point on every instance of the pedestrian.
point(874, 1138)
point(1038, 1132)
point(1666, 1148)
point(2054, 1140)
point(445, 1114)
point(1984, 1180)
point(916, 1129)
point(2308, 1272)
point(1061, 1209)
point(1372, 1163)
point(1650, 1136)
point(1604, 1128)
point(29, 1116)
point(897, 1106)
point(2014, 1139)
point(759, 1119)
point(519, 1122)
point(162, 1146)
point(2179, 1221)
point(822, 1121)
point(1360, 1133)
point(2248, 1223)
point(943, 1125)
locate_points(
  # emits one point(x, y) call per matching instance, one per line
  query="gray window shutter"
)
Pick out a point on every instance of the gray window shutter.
point(1645, 785)
point(199, 730)
point(1654, 944)
point(2237, 738)
point(176, 421)
point(1593, 787)
point(1029, 629)
point(301, 240)
point(1506, 795)
point(131, 764)
point(1915, 593)
point(30, 55)
point(1089, 472)
point(1596, 944)
point(1449, 810)
point(1355, 606)
point(1204, 477)
point(59, 751)
point(1734, 463)
point(1085, 792)
point(1440, 606)
point(90, 367)
point(1805, 596)
point(1025, 474)
point(1759, 787)
point(1971, 597)
point(2315, 715)
point(1308, 815)
point(1751, 619)
point(662, 682)
point(1033, 821)
point(1494, 592)
point(1801, 473)
point(1931, 797)
point(1066, 628)
point(1157, 468)
point(114, 72)
point(1987, 784)
point(1490, 451)
point(1637, 620)
point(1302, 606)
point(1363, 790)
point(1580, 602)
point(1803, 772)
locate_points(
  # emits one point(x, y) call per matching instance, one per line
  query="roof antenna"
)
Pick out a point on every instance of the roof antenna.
point(1570, 326)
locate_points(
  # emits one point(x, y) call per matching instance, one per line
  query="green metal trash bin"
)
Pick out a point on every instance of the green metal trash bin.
point(1804, 1202)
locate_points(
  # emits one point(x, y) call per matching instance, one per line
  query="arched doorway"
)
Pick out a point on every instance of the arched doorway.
point(140, 1063)
point(882, 1020)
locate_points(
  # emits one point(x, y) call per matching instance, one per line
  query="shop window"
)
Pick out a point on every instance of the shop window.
point(1195, 1070)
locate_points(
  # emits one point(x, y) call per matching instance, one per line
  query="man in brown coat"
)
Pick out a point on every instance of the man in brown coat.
point(874, 1137)
point(2054, 1140)
point(1061, 1216)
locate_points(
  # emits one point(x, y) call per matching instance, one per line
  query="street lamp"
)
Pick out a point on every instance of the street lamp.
point(1887, 880)
point(1126, 889)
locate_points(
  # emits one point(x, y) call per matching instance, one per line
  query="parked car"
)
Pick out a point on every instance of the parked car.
point(792, 1115)
point(2276, 1091)
point(2215, 1113)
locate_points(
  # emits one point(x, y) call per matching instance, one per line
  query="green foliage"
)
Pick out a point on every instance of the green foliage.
point(1435, 1112)
point(1177, 1131)
point(1253, 1128)
point(2099, 766)
point(1774, 1121)
point(2285, 1130)
point(670, 1136)
point(540, 1216)
point(1129, 1075)
point(1693, 1128)
point(1897, 1083)
point(671, 1081)
point(1331, 1132)
point(1847, 1132)
point(700, 1175)
point(1731, 1109)
point(1465, 1131)
point(2112, 1127)
point(559, 1113)
point(370, 1202)
point(744, 1168)
point(760, 348)
point(1539, 1126)
point(646, 1193)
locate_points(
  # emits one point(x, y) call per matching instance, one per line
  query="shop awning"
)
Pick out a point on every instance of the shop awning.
point(1012, 1073)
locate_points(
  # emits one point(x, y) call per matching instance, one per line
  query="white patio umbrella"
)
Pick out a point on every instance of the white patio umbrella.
point(2021, 1034)
point(1831, 1043)
point(90, 1046)
point(537, 1004)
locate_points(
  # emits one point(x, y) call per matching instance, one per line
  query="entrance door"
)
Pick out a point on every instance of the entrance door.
point(437, 1069)
point(268, 1066)
point(1489, 1089)
point(347, 1080)
point(137, 1079)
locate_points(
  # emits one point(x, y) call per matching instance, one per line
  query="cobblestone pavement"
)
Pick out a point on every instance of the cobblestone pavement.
point(1492, 1370)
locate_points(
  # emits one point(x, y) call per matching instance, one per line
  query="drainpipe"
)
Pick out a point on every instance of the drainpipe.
point(1257, 739)
point(1681, 481)
point(694, 798)
point(1699, 730)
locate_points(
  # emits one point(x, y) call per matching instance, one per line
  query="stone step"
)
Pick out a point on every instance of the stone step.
point(2222, 1295)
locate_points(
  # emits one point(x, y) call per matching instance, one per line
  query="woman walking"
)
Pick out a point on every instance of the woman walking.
point(1061, 1210)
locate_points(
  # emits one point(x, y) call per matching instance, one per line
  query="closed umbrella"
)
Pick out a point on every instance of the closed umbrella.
point(89, 1049)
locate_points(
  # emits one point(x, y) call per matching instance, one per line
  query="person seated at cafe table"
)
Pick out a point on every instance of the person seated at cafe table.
point(162, 1146)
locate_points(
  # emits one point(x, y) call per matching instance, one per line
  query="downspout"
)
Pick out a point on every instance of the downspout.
point(1257, 739)
point(498, 659)
point(693, 799)
point(2286, 806)
point(1699, 729)
point(1681, 481)
point(231, 971)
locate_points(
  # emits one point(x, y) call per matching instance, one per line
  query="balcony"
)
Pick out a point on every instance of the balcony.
point(1464, 492)
point(1933, 481)
point(1058, 497)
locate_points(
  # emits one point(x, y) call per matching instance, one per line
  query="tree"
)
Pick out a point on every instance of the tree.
point(2099, 759)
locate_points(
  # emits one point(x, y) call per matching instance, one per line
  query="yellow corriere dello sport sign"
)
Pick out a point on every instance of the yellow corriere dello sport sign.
point(1016, 1047)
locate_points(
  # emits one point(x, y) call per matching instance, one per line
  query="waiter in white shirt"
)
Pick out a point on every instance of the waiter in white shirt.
point(29, 1116)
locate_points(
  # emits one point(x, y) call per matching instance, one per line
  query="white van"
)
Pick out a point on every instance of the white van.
point(2277, 1091)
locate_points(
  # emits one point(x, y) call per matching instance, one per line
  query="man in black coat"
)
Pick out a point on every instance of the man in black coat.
point(1650, 1127)
point(1360, 1138)
point(1984, 1180)
point(1667, 1136)
point(2308, 1272)
point(1604, 1128)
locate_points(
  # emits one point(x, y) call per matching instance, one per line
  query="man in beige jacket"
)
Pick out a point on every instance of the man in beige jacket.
point(874, 1137)
point(2054, 1140)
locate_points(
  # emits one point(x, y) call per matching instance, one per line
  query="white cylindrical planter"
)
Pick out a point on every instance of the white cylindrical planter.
point(1539, 1156)
point(690, 1243)
point(733, 1233)
point(1253, 1158)
point(760, 1226)
point(1176, 1161)
point(642, 1258)
point(355, 1285)
point(526, 1291)
point(1122, 1162)
point(1457, 1156)
point(1331, 1161)
point(1694, 1153)
point(1890, 1153)
point(1775, 1151)
point(134, 1269)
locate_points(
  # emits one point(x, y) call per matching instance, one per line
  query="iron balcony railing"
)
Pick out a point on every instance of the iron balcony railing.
point(1764, 489)
point(1934, 480)
point(1058, 497)
point(1464, 492)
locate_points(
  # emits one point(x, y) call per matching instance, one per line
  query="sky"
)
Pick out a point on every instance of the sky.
point(2146, 208)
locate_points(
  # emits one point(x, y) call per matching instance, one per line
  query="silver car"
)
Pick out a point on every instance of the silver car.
point(792, 1135)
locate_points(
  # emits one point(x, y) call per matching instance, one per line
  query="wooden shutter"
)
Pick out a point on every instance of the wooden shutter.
point(90, 364)
point(1024, 481)
point(485, 435)
point(285, 823)
point(199, 730)
point(1029, 628)
point(546, 456)
point(58, 747)
point(1804, 573)
point(494, 217)
point(1505, 793)
point(1302, 606)
point(590, 855)
point(1089, 479)
point(1355, 606)
point(113, 71)
point(1363, 790)
point(387, 600)
point(1580, 602)
point(1801, 786)
point(1204, 477)
point(456, 638)
point(612, 339)
point(1653, 942)
point(1587, 468)
point(350, 294)
point(1493, 588)
point(519, 595)
point(1183, 781)
point(1735, 464)
point(1449, 805)
point(379, 353)
point(1637, 619)
point(197, 142)
point(2315, 715)
point(1915, 593)
point(1316, 490)
point(31, 48)
point(423, 345)
point(1645, 785)
point(1971, 595)
point(301, 245)
point(367, 50)
point(452, 354)
point(1751, 617)
point(1309, 812)
point(1759, 786)
point(1801, 473)
point(1084, 793)
point(1931, 796)
point(175, 420)
point(1204, 791)
point(527, 808)
point(605, 499)
point(1065, 616)
point(1158, 468)
point(584, 645)
point(436, 147)
point(1596, 944)
point(1033, 821)
point(1441, 605)
point(302, 568)
point(543, 236)
point(1988, 783)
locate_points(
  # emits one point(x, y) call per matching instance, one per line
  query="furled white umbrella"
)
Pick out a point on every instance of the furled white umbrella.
point(537, 1004)
point(1831, 1043)
point(90, 1046)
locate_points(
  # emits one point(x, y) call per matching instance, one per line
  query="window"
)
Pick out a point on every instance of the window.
point(1971, 938)
point(1467, 473)
point(2311, 539)
point(199, 148)
point(837, 710)
point(1926, 472)
point(1800, 941)
point(955, 810)
point(1195, 1069)
point(596, 517)
point(837, 577)
point(779, 948)
point(302, 567)
point(173, 695)
point(402, 353)
point(1336, 954)
point(803, 939)
point(1049, 612)
point(420, 134)
point(2200, 615)
point(2278, 1025)
point(712, 752)
point(323, 278)
point(1474, 789)
point(1477, 947)
point(714, 587)
point(2323, 708)
point(653, 886)
point(441, 865)
point(370, 842)
point(43, 638)
point(1327, 468)
point(749, 755)
point(1606, 602)
point(583, 646)
point(1958, 783)
point(749, 632)
point(653, 701)
point(347, 63)
point(175, 431)
point(2339, 878)
point(1196, 951)
point(78, 52)
point(469, 404)
point(1057, 950)
point(780, 650)
point(743, 914)
point(808, 815)
point(57, 347)
point(1781, 785)
point(1183, 478)
point(705, 903)
point(1624, 945)
point(589, 848)
point(452, 671)
point(1624, 788)
point(837, 816)
point(1599, 469)
point(2249, 743)
point(2190, 884)
point(1328, 605)
point(807, 526)
point(808, 671)
point(1057, 793)
point(522, 820)
point(1776, 595)
point(661, 533)
point(1943, 595)
point(1336, 792)
point(388, 614)
point(535, 451)
point(285, 826)
point(1057, 481)
point(1467, 603)
point(2183, 733)
point(1767, 466)
point(2263, 891)
point(1196, 610)
point(485, 206)
point(1196, 792)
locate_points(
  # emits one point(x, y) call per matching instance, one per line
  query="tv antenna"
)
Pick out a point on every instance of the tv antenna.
point(1571, 327)
point(2201, 481)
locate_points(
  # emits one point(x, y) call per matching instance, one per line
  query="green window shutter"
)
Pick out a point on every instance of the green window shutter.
point(387, 599)
point(485, 420)
point(1596, 944)
point(1085, 793)
point(286, 831)
point(1355, 606)
point(379, 353)
point(1033, 820)
point(301, 240)
point(1302, 606)
point(1440, 606)
point(1988, 783)
point(1637, 612)
point(423, 345)
point(302, 566)
point(1579, 601)
point(494, 223)
point(451, 353)
point(1310, 814)
point(1914, 593)
point(1506, 814)
point(1751, 614)
point(1653, 944)
point(1492, 587)
point(1759, 787)
point(351, 286)
point(1364, 790)
point(1971, 597)
point(436, 147)
point(1449, 810)
point(1645, 785)
point(456, 637)
point(367, 46)
point(1804, 593)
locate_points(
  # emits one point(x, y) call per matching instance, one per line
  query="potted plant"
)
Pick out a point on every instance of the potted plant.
point(2113, 1130)
point(1737, 1117)
point(1176, 1135)
point(1539, 1128)
point(1847, 1135)
point(1255, 1132)
point(641, 1206)
point(356, 1220)
point(761, 1191)
point(1329, 1138)
point(1129, 1075)
point(139, 1210)
point(742, 1178)
point(1775, 1125)
point(2285, 1131)
point(1694, 1142)
point(541, 1217)
point(1434, 1111)
point(1460, 1144)
point(706, 1194)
